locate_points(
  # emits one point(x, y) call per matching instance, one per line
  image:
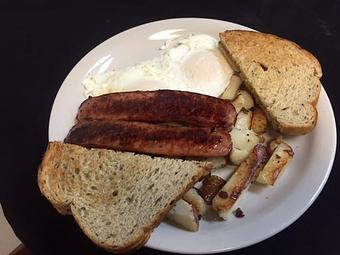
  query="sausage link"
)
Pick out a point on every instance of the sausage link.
point(160, 106)
point(151, 138)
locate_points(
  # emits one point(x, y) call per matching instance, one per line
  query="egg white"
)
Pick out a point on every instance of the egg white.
point(195, 64)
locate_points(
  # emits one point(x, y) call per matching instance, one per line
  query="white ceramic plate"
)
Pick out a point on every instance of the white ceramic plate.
point(268, 210)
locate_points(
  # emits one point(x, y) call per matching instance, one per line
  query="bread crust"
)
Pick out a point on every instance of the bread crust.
point(277, 124)
point(51, 151)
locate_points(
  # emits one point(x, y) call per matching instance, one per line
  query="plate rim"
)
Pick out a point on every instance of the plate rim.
point(298, 214)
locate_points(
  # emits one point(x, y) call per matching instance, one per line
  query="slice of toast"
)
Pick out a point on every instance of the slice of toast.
point(283, 77)
point(117, 198)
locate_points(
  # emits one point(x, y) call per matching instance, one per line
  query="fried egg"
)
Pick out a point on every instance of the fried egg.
point(194, 64)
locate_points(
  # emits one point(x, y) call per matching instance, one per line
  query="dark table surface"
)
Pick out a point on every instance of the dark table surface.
point(42, 40)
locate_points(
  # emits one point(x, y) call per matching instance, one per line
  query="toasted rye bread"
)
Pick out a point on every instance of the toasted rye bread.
point(283, 77)
point(117, 198)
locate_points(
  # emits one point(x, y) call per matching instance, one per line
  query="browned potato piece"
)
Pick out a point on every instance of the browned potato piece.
point(259, 121)
point(273, 145)
point(193, 198)
point(276, 164)
point(232, 88)
point(226, 199)
point(184, 215)
point(243, 100)
point(211, 185)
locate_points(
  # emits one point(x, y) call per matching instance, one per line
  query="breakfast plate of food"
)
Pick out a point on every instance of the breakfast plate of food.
point(189, 135)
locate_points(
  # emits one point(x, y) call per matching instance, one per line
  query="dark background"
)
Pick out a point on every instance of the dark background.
point(42, 40)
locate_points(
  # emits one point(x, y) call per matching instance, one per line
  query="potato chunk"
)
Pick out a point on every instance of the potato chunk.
point(232, 88)
point(184, 215)
point(276, 164)
point(243, 100)
point(259, 121)
point(227, 198)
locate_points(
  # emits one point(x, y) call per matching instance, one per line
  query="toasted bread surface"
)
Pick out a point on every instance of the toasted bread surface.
point(117, 198)
point(283, 77)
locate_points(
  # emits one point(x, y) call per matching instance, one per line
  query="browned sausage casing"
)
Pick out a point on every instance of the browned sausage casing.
point(151, 138)
point(160, 106)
